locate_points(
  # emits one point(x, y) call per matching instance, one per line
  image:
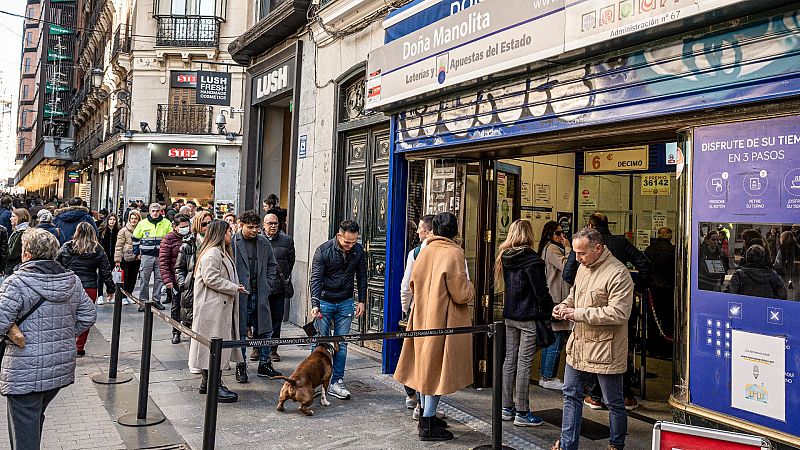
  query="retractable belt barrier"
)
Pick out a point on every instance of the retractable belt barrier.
point(216, 345)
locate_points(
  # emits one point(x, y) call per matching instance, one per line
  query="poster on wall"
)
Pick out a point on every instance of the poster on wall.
point(542, 192)
point(222, 207)
point(655, 184)
point(743, 348)
point(758, 367)
point(642, 239)
point(526, 195)
point(504, 208)
point(659, 219)
point(565, 220)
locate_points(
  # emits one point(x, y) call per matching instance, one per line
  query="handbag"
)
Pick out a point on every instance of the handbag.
point(288, 288)
point(545, 336)
point(14, 334)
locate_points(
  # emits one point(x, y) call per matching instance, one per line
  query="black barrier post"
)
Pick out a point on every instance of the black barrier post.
point(499, 349)
point(113, 359)
point(212, 393)
point(142, 418)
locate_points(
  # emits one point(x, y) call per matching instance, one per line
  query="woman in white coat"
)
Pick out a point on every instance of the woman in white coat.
point(553, 250)
point(216, 303)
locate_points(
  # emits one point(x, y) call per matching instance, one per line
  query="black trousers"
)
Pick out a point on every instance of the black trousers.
point(175, 306)
point(131, 271)
point(26, 418)
point(277, 304)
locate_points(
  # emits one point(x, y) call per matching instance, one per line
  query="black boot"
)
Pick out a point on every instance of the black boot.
point(176, 337)
point(224, 395)
point(430, 431)
point(265, 369)
point(241, 373)
point(159, 306)
point(204, 382)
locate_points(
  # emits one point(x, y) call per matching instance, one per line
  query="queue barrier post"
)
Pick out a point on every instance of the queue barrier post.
point(212, 393)
point(142, 418)
point(112, 377)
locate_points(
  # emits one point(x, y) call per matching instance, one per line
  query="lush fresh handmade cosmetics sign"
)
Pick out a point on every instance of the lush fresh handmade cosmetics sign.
point(486, 38)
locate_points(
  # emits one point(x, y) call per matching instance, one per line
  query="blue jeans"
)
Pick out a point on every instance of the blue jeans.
point(251, 320)
point(339, 316)
point(551, 355)
point(574, 381)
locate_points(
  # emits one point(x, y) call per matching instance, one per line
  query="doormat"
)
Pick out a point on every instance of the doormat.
point(589, 428)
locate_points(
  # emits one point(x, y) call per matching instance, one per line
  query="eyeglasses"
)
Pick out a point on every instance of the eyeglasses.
point(272, 224)
point(558, 233)
point(205, 224)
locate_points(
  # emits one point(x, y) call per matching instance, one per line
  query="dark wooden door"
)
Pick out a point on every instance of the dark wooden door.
point(366, 200)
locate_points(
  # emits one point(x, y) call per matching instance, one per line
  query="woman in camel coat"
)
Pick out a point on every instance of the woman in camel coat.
point(436, 366)
point(216, 303)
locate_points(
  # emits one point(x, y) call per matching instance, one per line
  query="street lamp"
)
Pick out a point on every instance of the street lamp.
point(97, 78)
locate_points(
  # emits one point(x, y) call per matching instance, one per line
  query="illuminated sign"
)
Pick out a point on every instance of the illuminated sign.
point(178, 154)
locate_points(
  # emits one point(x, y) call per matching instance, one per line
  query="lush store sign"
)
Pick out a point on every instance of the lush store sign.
point(461, 40)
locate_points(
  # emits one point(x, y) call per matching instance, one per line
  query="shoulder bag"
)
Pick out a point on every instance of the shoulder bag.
point(14, 334)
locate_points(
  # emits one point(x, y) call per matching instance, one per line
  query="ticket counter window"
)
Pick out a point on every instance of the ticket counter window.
point(754, 259)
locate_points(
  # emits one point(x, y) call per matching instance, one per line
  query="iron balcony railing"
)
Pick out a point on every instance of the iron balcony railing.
point(122, 41)
point(187, 31)
point(184, 119)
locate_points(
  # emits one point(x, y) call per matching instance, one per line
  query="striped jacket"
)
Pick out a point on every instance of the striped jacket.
point(148, 234)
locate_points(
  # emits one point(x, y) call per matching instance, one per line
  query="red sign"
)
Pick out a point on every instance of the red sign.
point(674, 436)
point(186, 154)
point(585, 193)
point(186, 79)
point(183, 79)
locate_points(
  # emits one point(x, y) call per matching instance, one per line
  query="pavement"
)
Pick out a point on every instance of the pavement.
point(83, 415)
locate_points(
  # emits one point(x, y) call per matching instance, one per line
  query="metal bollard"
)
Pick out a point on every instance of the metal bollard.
point(111, 377)
point(142, 418)
point(212, 393)
point(499, 351)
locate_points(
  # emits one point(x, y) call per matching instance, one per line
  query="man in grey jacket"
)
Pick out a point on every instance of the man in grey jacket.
point(257, 271)
point(32, 376)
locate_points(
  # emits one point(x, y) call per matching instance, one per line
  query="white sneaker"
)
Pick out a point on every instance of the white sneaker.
point(101, 300)
point(439, 414)
point(126, 301)
point(553, 383)
point(194, 370)
point(110, 300)
point(411, 402)
point(338, 390)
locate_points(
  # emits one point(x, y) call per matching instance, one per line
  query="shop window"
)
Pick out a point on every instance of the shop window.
point(755, 259)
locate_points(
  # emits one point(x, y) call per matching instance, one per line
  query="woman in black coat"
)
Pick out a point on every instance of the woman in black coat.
point(85, 257)
point(527, 309)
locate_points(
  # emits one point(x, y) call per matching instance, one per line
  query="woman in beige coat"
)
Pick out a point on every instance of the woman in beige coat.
point(216, 303)
point(553, 250)
point(124, 258)
point(441, 365)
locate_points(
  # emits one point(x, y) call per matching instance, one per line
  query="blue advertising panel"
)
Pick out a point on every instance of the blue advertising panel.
point(744, 336)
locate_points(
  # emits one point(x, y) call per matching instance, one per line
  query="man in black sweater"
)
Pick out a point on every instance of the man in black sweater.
point(333, 269)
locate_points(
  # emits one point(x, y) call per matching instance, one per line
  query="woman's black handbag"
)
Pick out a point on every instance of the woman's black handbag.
point(4, 339)
point(545, 336)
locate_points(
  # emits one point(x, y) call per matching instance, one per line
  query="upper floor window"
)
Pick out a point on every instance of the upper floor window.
point(28, 38)
point(24, 118)
point(27, 65)
point(204, 8)
point(264, 7)
point(25, 91)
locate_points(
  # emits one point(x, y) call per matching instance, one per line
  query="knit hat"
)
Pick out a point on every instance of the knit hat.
point(44, 216)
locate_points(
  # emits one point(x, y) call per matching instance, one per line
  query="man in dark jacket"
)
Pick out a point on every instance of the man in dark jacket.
point(622, 249)
point(67, 219)
point(167, 256)
point(6, 204)
point(283, 248)
point(662, 287)
point(336, 263)
point(257, 271)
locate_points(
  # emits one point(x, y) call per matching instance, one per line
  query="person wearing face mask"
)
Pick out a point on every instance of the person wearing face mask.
point(167, 257)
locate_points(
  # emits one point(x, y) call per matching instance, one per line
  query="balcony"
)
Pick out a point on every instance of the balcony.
point(284, 19)
point(122, 41)
point(184, 119)
point(187, 31)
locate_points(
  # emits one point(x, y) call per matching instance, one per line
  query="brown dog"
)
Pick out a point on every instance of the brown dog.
point(315, 370)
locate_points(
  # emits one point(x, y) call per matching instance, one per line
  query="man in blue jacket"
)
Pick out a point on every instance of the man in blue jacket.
point(67, 219)
point(336, 263)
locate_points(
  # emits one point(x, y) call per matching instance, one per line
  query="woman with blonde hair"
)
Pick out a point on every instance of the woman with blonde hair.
point(124, 257)
point(86, 258)
point(527, 309)
point(216, 303)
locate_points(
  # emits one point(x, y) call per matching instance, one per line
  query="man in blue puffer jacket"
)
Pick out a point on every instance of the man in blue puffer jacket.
point(32, 376)
point(67, 219)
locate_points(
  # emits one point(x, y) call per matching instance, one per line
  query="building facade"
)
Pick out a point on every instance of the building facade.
point(48, 58)
point(143, 130)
